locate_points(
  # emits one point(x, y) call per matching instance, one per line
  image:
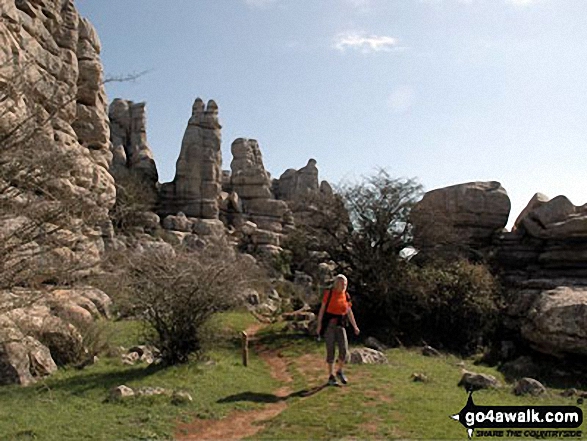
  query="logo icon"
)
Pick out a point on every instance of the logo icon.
point(517, 417)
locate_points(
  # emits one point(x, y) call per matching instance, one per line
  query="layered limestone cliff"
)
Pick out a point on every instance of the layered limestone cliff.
point(542, 262)
point(198, 177)
point(128, 133)
point(55, 188)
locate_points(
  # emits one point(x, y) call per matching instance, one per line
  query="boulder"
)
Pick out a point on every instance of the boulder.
point(419, 377)
point(466, 213)
point(367, 356)
point(476, 381)
point(121, 392)
point(23, 359)
point(554, 323)
point(208, 227)
point(130, 359)
point(147, 354)
point(179, 222)
point(529, 386)
point(181, 397)
point(62, 338)
point(151, 391)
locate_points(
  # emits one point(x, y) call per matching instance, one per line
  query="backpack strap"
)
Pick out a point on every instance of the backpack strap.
point(328, 301)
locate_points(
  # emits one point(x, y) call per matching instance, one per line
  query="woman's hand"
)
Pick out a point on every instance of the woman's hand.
point(357, 330)
point(318, 329)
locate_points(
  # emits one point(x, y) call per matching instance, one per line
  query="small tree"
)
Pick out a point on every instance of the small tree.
point(176, 295)
point(322, 225)
point(379, 210)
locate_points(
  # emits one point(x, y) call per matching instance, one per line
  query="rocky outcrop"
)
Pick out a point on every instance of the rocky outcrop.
point(543, 261)
point(250, 206)
point(296, 183)
point(249, 179)
point(54, 127)
point(50, 58)
point(553, 320)
point(461, 214)
point(128, 133)
point(41, 330)
point(196, 188)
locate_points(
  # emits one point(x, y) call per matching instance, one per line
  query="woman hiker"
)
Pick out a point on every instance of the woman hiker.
point(336, 307)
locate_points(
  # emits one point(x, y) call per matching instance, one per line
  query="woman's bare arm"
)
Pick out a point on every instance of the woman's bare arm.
point(353, 322)
point(320, 315)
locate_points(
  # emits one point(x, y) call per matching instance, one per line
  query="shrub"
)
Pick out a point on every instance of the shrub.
point(458, 303)
point(177, 295)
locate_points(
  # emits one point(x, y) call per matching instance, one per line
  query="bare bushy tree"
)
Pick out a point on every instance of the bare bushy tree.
point(177, 294)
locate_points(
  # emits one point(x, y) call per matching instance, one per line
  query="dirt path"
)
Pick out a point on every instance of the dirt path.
point(242, 424)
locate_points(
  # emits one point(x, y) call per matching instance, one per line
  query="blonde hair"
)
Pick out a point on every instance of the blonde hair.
point(337, 278)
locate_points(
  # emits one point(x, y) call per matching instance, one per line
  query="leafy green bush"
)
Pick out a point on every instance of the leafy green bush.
point(458, 303)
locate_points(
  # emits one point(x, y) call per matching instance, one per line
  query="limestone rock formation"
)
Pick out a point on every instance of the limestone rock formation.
point(49, 58)
point(554, 320)
point(549, 241)
point(464, 213)
point(250, 200)
point(40, 330)
point(543, 261)
point(196, 187)
point(249, 178)
point(128, 133)
point(537, 200)
point(294, 183)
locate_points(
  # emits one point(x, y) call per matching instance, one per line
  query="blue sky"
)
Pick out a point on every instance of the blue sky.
point(448, 91)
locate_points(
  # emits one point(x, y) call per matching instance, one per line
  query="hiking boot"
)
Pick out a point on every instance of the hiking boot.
point(332, 381)
point(341, 377)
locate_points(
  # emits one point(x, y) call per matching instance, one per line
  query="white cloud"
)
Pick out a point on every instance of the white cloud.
point(365, 43)
point(260, 3)
point(402, 99)
point(520, 2)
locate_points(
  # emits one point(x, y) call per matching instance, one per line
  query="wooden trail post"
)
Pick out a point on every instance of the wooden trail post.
point(245, 339)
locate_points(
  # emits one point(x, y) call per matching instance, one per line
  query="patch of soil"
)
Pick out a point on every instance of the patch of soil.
point(242, 424)
point(235, 426)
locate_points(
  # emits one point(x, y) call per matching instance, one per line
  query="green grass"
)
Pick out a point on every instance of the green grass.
point(70, 405)
point(380, 402)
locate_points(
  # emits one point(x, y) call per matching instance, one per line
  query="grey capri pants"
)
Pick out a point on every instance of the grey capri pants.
point(336, 335)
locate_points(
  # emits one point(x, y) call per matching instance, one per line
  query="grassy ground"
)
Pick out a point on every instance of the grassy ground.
point(71, 404)
point(380, 402)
